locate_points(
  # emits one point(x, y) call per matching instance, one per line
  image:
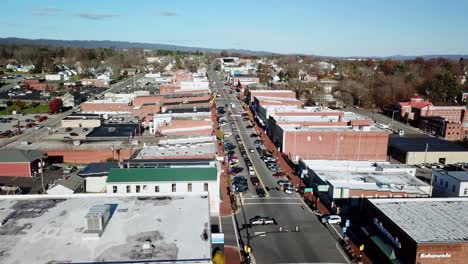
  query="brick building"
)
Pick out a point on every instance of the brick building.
point(250, 94)
point(332, 135)
point(21, 163)
point(417, 230)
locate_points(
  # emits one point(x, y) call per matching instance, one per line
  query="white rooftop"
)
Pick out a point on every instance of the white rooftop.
point(177, 150)
point(374, 180)
point(50, 229)
point(331, 128)
point(428, 220)
point(275, 99)
point(341, 165)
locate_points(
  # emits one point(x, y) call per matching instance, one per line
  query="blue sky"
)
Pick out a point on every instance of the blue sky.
point(334, 28)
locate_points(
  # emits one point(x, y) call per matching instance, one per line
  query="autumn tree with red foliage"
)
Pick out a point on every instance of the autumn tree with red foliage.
point(55, 105)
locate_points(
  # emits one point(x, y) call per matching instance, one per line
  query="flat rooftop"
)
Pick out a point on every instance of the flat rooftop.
point(428, 220)
point(458, 175)
point(341, 165)
point(51, 228)
point(293, 127)
point(374, 180)
point(275, 99)
point(180, 151)
point(418, 144)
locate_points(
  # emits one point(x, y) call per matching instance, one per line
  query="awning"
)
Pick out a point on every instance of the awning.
point(385, 246)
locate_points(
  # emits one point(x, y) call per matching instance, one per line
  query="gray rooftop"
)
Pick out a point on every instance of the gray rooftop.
point(458, 175)
point(16, 155)
point(52, 227)
point(71, 182)
point(428, 220)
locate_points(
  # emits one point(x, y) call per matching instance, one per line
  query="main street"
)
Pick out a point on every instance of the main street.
point(311, 242)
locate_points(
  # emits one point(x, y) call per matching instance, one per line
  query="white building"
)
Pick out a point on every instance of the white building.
point(102, 228)
point(203, 85)
point(54, 77)
point(449, 183)
point(167, 181)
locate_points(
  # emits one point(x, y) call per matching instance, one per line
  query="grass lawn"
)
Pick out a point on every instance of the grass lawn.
point(41, 109)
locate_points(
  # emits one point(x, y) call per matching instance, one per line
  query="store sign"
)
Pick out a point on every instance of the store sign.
point(392, 238)
point(438, 255)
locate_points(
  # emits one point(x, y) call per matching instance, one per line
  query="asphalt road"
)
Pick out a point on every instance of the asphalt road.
point(383, 119)
point(313, 243)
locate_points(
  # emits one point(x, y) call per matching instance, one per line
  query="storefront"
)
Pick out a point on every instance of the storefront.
point(417, 230)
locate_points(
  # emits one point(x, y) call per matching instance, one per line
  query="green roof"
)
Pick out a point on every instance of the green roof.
point(161, 174)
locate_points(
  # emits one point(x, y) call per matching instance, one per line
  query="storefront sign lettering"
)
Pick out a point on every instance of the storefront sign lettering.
point(438, 255)
point(392, 238)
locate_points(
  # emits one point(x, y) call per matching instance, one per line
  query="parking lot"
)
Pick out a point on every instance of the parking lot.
point(12, 124)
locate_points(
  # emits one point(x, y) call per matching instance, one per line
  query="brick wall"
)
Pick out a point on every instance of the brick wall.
point(458, 253)
point(89, 156)
point(15, 169)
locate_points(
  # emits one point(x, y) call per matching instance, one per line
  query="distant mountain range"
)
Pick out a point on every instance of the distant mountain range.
point(129, 45)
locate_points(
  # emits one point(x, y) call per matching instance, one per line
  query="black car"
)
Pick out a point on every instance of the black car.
point(240, 188)
point(249, 126)
point(237, 170)
point(231, 152)
point(260, 192)
point(253, 135)
point(73, 134)
point(255, 180)
point(68, 129)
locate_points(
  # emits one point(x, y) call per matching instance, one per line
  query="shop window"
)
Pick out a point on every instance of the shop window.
point(205, 187)
point(189, 187)
point(173, 187)
point(145, 187)
point(128, 188)
point(114, 189)
point(156, 188)
point(138, 188)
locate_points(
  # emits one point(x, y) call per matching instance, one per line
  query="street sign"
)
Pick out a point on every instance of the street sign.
point(308, 190)
point(347, 223)
point(322, 188)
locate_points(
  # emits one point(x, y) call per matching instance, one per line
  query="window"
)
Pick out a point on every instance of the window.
point(189, 187)
point(145, 187)
point(465, 191)
point(156, 188)
point(453, 188)
point(173, 187)
point(114, 189)
point(435, 178)
point(440, 181)
point(138, 188)
point(205, 187)
point(128, 188)
point(446, 184)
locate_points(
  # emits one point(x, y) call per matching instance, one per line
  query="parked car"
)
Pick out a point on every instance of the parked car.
point(279, 174)
point(331, 219)
point(249, 126)
point(236, 170)
point(68, 129)
point(54, 168)
point(262, 220)
point(253, 135)
point(251, 171)
point(255, 180)
point(73, 134)
point(246, 119)
point(69, 169)
point(260, 192)
point(283, 182)
point(240, 187)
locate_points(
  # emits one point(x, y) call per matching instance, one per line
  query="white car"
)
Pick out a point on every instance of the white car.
point(251, 171)
point(331, 219)
point(262, 220)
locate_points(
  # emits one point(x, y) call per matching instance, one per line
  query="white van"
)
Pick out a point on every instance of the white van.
point(251, 171)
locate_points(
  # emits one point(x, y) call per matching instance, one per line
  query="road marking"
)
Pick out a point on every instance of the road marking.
point(262, 234)
point(272, 198)
point(337, 232)
point(235, 230)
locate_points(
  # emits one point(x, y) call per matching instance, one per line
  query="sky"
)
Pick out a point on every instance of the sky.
point(328, 28)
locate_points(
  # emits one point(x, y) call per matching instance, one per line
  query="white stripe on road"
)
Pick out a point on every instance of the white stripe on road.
point(235, 230)
point(260, 234)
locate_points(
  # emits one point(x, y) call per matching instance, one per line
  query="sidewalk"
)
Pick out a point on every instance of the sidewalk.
point(231, 255)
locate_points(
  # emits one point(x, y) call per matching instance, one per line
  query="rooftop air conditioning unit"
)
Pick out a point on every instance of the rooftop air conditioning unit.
point(96, 220)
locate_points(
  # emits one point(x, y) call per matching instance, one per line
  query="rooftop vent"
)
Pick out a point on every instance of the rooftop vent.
point(96, 220)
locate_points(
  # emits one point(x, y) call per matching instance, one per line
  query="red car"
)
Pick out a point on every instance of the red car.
point(244, 114)
point(42, 118)
point(279, 174)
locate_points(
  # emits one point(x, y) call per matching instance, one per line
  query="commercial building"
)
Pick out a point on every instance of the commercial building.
point(179, 149)
point(420, 150)
point(244, 79)
point(343, 185)
point(96, 174)
point(82, 120)
point(194, 123)
point(449, 183)
point(101, 228)
point(419, 230)
point(21, 163)
point(167, 180)
point(332, 135)
point(250, 94)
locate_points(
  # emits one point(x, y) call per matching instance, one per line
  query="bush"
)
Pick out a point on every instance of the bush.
point(35, 104)
point(9, 103)
point(20, 104)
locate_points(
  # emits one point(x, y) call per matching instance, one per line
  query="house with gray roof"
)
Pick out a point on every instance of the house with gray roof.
point(69, 184)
